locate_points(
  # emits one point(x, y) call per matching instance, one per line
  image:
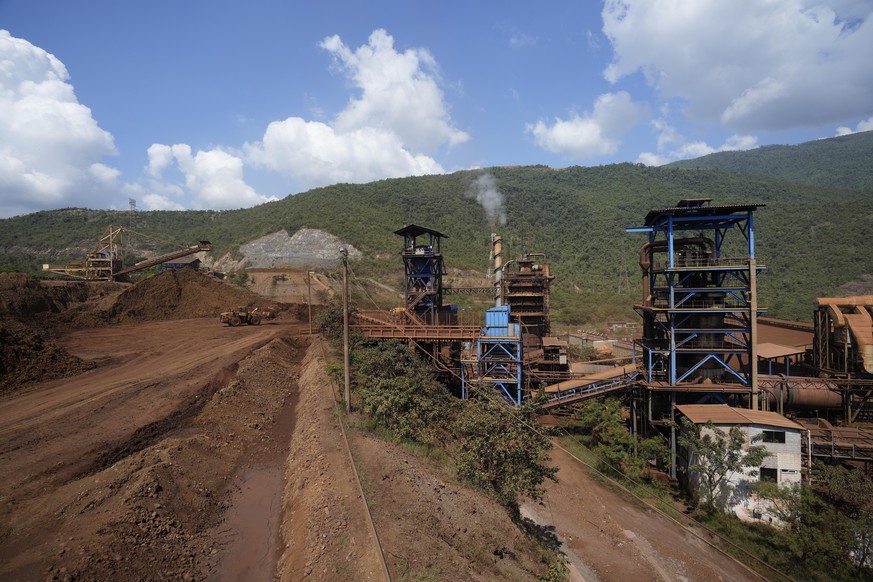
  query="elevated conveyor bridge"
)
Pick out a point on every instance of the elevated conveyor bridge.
point(598, 384)
point(423, 333)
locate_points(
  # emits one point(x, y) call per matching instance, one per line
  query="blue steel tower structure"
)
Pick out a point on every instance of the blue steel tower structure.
point(699, 305)
point(423, 264)
point(495, 361)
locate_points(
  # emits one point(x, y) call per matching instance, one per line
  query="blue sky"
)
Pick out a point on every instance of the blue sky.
point(217, 104)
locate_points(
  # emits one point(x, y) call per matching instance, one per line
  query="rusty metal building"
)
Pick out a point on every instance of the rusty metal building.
point(699, 300)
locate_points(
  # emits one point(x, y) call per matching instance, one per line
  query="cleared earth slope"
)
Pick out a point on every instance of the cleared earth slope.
point(188, 450)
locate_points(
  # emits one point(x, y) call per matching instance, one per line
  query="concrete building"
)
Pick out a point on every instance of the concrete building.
point(779, 435)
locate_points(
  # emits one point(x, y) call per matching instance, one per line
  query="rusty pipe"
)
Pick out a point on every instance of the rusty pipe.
point(857, 300)
point(859, 322)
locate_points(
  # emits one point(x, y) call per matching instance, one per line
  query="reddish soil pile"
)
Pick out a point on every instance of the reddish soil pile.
point(34, 312)
point(22, 295)
point(183, 294)
point(27, 357)
point(122, 473)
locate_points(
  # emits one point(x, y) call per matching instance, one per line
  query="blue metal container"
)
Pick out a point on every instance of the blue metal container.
point(497, 317)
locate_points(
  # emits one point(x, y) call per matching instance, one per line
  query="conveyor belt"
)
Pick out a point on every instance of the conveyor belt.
point(571, 391)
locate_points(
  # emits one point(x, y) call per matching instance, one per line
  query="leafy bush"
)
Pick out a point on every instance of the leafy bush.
point(399, 393)
point(607, 433)
point(501, 450)
point(240, 278)
point(494, 447)
point(826, 528)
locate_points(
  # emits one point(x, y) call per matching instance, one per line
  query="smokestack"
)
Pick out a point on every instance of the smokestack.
point(497, 254)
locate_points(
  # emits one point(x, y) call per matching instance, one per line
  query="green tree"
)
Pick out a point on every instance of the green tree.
point(817, 535)
point(607, 433)
point(501, 451)
point(240, 278)
point(850, 491)
point(716, 456)
point(329, 321)
point(399, 393)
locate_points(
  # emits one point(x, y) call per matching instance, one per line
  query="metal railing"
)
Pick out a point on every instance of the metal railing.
point(703, 262)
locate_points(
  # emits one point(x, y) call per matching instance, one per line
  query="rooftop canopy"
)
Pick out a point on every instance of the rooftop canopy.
point(413, 231)
point(697, 208)
point(722, 414)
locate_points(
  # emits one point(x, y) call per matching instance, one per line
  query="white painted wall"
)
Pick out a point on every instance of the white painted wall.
point(784, 457)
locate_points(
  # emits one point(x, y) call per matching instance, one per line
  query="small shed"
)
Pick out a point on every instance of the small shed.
point(189, 262)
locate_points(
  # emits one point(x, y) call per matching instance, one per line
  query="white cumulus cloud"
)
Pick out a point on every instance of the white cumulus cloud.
point(399, 116)
point(863, 125)
point(672, 146)
point(212, 179)
point(767, 65)
point(315, 153)
point(51, 147)
point(592, 134)
point(52, 150)
point(399, 92)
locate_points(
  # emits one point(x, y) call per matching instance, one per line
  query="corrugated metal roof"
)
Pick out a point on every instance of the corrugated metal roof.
point(656, 214)
point(770, 351)
point(724, 414)
point(413, 230)
point(768, 418)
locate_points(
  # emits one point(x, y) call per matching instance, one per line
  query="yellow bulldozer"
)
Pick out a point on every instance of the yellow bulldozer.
point(240, 316)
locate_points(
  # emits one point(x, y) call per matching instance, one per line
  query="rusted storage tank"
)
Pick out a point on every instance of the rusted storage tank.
point(805, 394)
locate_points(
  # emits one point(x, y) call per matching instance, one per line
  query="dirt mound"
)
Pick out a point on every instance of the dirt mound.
point(22, 296)
point(147, 503)
point(35, 312)
point(182, 294)
point(26, 305)
point(27, 357)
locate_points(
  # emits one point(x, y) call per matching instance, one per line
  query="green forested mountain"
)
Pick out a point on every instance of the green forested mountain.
point(838, 162)
point(813, 239)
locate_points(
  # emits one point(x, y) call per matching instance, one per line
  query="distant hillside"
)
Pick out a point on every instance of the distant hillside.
point(812, 239)
point(837, 162)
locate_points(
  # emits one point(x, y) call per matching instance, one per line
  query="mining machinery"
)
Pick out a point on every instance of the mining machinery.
point(240, 316)
point(104, 263)
point(843, 343)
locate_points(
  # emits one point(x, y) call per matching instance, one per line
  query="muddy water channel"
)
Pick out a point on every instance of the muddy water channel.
point(249, 536)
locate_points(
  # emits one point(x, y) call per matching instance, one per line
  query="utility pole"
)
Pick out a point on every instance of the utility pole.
point(348, 393)
point(753, 331)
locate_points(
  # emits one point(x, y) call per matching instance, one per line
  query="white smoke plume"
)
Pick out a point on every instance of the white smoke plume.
point(484, 190)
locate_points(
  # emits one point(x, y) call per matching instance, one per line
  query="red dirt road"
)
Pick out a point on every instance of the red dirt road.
point(153, 378)
point(605, 537)
point(153, 369)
